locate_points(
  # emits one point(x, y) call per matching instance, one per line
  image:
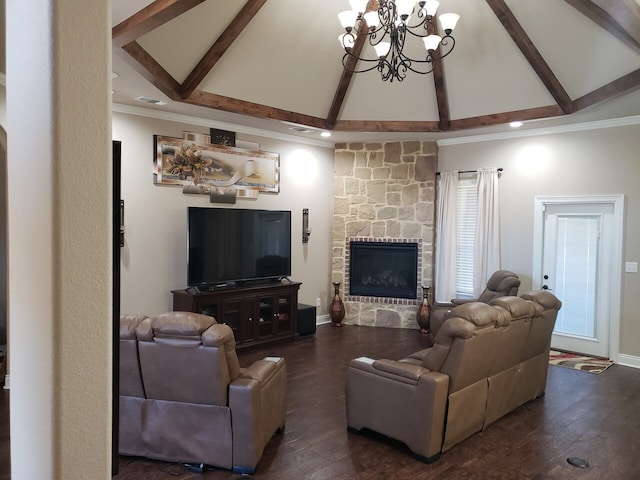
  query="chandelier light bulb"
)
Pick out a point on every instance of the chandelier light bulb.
point(348, 19)
point(449, 21)
point(431, 42)
point(431, 6)
point(382, 48)
point(372, 19)
point(405, 8)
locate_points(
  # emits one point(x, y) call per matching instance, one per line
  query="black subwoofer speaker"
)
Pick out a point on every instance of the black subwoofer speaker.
point(306, 319)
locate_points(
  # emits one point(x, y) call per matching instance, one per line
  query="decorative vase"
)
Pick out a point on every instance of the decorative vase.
point(336, 310)
point(423, 315)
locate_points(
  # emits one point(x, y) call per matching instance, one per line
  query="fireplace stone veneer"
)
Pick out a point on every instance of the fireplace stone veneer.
point(383, 192)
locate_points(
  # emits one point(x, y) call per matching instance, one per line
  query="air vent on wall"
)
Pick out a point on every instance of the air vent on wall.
point(150, 100)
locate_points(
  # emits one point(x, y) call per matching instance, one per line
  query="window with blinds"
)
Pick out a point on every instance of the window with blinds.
point(467, 214)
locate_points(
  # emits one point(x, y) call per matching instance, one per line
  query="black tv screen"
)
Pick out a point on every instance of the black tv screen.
point(234, 245)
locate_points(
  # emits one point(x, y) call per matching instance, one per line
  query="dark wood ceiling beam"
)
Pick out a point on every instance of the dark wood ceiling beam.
point(346, 77)
point(601, 17)
point(531, 54)
point(149, 18)
point(151, 70)
point(387, 126)
point(622, 85)
point(233, 105)
point(506, 117)
point(217, 50)
point(442, 98)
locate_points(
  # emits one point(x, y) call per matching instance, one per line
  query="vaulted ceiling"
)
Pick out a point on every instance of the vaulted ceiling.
point(276, 64)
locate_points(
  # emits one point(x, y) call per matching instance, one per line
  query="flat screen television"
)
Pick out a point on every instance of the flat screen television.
point(231, 245)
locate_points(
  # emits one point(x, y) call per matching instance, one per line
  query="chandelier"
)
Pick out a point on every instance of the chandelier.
point(386, 24)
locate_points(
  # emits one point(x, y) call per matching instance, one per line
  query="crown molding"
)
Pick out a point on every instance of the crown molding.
point(536, 132)
point(203, 122)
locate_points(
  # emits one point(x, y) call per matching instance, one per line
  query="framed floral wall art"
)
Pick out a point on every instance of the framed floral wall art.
point(186, 162)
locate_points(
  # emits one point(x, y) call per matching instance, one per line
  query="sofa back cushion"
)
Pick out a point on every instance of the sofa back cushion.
point(463, 347)
point(501, 283)
point(185, 357)
point(511, 339)
point(543, 323)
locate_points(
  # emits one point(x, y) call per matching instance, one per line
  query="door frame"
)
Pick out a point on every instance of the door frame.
point(618, 203)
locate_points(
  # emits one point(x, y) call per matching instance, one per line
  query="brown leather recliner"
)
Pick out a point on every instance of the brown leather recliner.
point(486, 361)
point(184, 397)
point(502, 283)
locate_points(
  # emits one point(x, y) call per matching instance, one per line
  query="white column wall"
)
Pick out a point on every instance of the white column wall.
point(59, 235)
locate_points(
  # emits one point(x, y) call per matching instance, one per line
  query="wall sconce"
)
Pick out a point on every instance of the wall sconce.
point(122, 223)
point(306, 231)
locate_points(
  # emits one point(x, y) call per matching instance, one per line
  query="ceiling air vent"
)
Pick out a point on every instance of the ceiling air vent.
point(301, 129)
point(150, 100)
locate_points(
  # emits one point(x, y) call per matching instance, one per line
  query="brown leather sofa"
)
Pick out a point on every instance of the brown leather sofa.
point(502, 283)
point(184, 397)
point(487, 360)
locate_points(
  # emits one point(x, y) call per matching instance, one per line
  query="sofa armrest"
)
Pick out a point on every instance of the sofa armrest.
point(257, 404)
point(462, 301)
point(400, 400)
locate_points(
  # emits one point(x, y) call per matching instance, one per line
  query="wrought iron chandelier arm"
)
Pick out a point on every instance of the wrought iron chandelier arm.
point(348, 55)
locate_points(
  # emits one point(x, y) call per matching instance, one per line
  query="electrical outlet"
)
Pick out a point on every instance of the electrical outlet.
point(318, 302)
point(631, 267)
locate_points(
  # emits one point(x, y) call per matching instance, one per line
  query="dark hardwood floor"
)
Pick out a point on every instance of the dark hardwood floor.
point(594, 417)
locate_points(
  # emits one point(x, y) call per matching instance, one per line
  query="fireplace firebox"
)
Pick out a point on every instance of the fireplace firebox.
point(383, 269)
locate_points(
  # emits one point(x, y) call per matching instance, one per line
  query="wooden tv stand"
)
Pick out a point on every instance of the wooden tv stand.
point(257, 314)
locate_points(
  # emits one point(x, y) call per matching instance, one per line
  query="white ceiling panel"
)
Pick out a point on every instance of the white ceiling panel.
point(582, 55)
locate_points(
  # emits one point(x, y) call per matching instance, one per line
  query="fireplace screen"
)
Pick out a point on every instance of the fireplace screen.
point(383, 269)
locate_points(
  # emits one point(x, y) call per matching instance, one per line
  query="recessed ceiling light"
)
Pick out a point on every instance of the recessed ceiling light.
point(150, 100)
point(325, 134)
point(515, 124)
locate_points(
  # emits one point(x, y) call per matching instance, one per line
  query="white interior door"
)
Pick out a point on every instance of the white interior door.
point(577, 262)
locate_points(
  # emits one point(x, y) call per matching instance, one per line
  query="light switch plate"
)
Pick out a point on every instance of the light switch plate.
point(631, 267)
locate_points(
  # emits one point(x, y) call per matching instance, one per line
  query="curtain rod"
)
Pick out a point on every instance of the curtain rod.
point(474, 171)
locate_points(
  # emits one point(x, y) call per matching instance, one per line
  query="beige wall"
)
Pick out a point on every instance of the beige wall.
point(154, 258)
point(594, 162)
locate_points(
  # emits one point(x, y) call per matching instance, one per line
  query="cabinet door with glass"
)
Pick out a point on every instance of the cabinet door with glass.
point(237, 312)
point(275, 315)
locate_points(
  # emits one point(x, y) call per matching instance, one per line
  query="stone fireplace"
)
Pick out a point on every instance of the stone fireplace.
point(384, 197)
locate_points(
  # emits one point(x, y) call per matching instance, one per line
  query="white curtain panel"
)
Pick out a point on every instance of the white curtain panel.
point(446, 237)
point(487, 248)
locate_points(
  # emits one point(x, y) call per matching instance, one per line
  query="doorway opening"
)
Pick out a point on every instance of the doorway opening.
point(577, 255)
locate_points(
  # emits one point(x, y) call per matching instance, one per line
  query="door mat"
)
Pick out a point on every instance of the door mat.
point(578, 362)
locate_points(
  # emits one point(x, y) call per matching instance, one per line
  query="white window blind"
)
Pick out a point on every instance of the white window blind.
point(467, 214)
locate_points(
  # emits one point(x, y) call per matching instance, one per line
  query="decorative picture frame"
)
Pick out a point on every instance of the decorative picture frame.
point(188, 162)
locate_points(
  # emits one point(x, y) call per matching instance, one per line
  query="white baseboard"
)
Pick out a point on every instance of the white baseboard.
point(7, 381)
point(322, 319)
point(628, 360)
